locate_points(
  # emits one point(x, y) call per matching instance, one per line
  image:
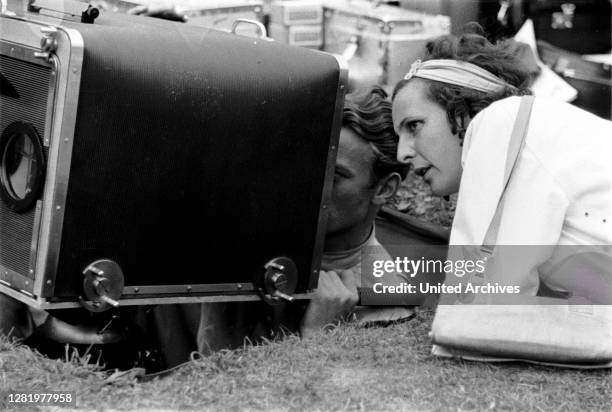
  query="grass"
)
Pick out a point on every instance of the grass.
point(414, 197)
point(348, 368)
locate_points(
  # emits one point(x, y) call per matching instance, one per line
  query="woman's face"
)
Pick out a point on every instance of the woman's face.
point(425, 138)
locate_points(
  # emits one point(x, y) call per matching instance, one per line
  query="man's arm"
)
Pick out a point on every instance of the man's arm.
point(335, 298)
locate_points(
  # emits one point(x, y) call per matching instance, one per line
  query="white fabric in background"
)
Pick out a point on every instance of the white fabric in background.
point(548, 83)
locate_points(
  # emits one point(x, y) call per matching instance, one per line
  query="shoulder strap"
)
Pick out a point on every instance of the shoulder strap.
point(517, 141)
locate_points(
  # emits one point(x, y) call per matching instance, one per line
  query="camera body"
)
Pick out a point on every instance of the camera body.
point(145, 161)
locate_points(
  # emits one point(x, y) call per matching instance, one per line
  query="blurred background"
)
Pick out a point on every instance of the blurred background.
point(566, 45)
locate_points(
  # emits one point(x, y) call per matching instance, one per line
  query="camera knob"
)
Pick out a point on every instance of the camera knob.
point(279, 280)
point(102, 286)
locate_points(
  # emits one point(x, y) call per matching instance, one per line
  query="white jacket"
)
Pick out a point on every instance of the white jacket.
point(560, 192)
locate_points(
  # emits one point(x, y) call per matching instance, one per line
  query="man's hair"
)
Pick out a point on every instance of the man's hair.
point(474, 48)
point(368, 114)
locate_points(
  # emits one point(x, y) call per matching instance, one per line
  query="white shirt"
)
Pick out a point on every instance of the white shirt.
point(560, 192)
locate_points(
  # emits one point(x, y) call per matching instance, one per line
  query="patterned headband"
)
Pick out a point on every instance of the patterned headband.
point(457, 72)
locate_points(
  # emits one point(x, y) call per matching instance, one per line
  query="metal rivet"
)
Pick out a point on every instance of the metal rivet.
point(604, 220)
point(586, 213)
point(239, 286)
point(74, 70)
point(324, 207)
point(42, 55)
point(31, 271)
point(188, 288)
point(27, 282)
point(58, 207)
point(65, 140)
point(49, 282)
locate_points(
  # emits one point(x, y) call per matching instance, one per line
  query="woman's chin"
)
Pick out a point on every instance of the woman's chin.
point(439, 191)
point(442, 190)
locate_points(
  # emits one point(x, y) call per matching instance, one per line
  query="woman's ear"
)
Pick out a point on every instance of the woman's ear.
point(463, 122)
point(386, 188)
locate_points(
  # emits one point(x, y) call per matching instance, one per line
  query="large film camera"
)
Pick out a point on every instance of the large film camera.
point(146, 161)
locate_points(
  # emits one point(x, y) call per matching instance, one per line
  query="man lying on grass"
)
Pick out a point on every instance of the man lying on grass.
point(366, 176)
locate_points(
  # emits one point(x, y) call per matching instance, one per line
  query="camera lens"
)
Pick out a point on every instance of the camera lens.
point(21, 166)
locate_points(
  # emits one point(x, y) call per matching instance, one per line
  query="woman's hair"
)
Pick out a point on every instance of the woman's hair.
point(474, 48)
point(368, 114)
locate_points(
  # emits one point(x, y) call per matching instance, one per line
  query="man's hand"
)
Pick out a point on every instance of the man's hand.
point(335, 298)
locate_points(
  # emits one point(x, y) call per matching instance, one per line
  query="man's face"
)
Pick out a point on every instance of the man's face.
point(353, 187)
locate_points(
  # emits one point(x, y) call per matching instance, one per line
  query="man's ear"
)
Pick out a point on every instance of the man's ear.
point(386, 188)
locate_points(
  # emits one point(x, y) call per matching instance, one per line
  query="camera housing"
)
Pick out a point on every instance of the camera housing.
point(192, 160)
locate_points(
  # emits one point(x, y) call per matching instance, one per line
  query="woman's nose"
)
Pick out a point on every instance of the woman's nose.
point(405, 149)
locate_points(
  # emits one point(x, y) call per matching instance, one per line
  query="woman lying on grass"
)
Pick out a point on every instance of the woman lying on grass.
point(455, 112)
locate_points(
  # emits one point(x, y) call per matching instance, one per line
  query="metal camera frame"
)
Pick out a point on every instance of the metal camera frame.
point(61, 49)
